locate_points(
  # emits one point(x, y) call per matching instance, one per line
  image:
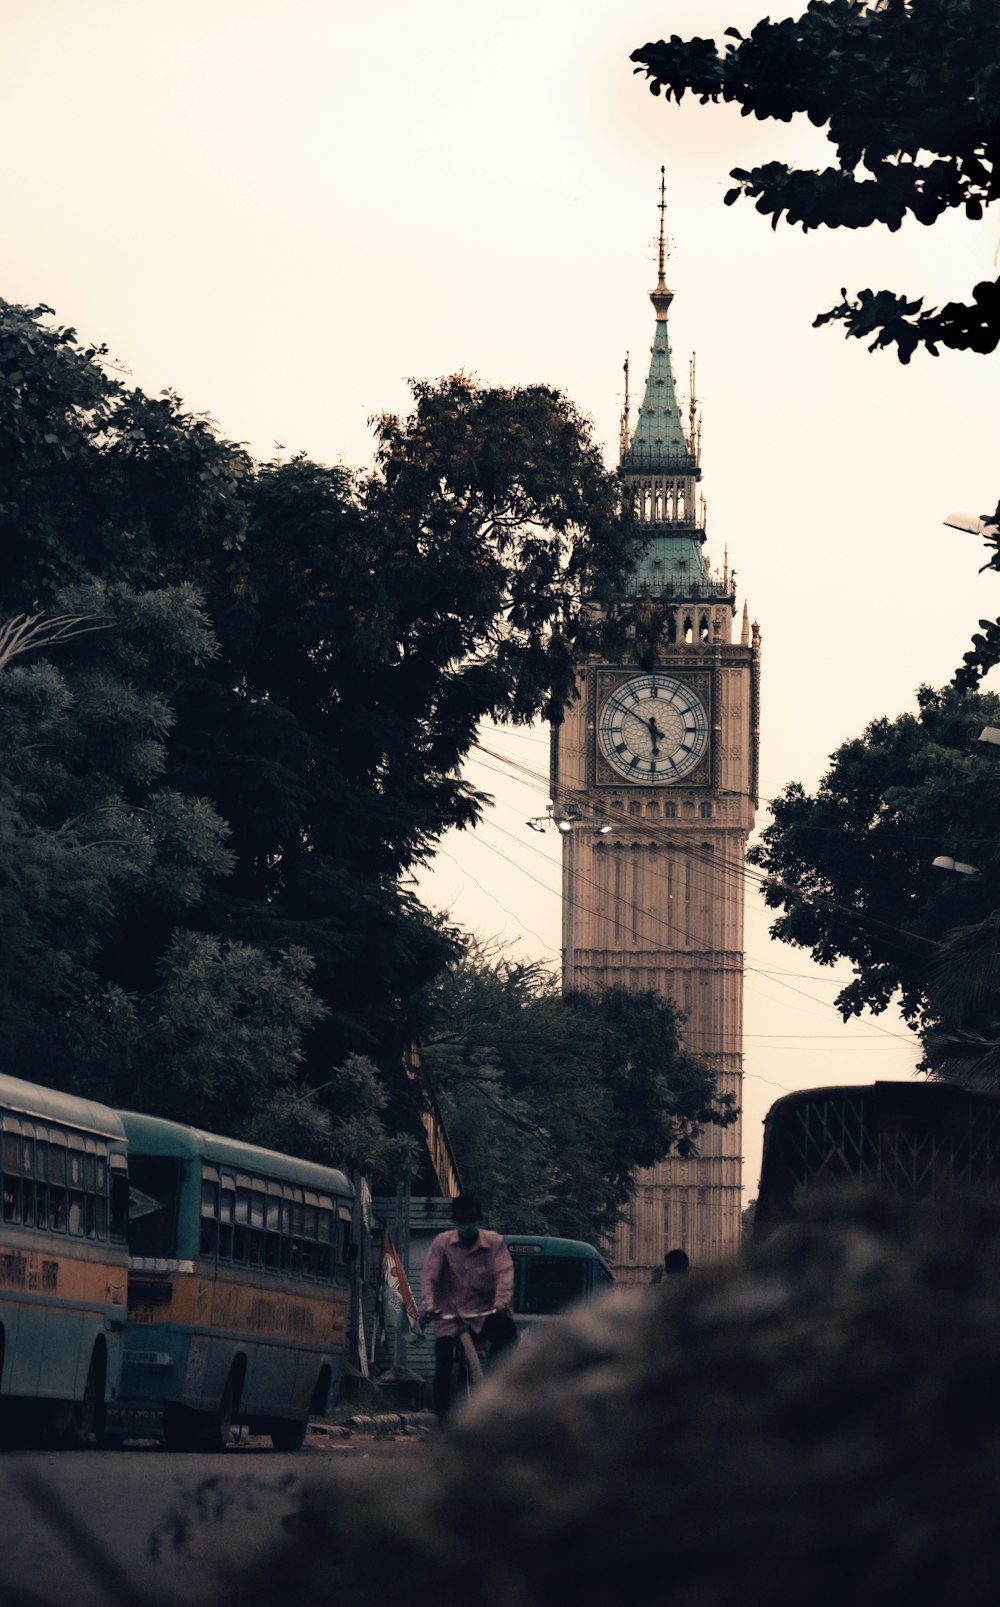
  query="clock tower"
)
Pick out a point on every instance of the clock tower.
point(654, 782)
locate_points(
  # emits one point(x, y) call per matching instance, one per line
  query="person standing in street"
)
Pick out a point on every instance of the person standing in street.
point(675, 1265)
point(468, 1269)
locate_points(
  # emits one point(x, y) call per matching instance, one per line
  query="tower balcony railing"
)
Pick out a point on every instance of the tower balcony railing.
point(649, 460)
point(713, 588)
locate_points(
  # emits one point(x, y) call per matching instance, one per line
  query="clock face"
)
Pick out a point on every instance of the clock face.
point(652, 729)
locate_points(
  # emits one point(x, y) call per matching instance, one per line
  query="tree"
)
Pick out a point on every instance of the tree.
point(87, 824)
point(97, 478)
point(273, 787)
point(908, 92)
point(367, 625)
point(851, 868)
point(554, 1102)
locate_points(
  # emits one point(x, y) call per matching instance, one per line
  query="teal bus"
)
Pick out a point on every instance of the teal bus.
point(63, 1264)
point(238, 1291)
point(551, 1275)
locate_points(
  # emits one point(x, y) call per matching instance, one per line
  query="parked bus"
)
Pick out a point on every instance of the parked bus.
point(908, 1139)
point(551, 1275)
point(63, 1264)
point(238, 1287)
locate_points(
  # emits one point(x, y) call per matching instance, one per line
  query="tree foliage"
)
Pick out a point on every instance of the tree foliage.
point(851, 867)
point(908, 92)
point(235, 698)
point(367, 625)
point(554, 1102)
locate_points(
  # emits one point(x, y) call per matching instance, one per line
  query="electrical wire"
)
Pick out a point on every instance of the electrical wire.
point(667, 836)
point(672, 927)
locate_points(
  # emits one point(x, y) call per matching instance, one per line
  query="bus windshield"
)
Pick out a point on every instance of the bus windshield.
point(154, 1192)
point(550, 1284)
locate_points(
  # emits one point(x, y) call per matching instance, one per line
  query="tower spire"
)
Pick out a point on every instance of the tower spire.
point(625, 412)
point(661, 297)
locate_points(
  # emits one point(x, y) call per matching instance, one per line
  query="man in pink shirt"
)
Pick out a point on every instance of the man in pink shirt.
point(468, 1269)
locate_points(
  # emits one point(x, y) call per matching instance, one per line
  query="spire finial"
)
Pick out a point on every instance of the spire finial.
point(625, 412)
point(661, 297)
point(661, 283)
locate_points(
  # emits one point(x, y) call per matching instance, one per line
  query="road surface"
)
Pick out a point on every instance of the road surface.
point(141, 1527)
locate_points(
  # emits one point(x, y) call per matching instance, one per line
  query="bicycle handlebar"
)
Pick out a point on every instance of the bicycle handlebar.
point(460, 1316)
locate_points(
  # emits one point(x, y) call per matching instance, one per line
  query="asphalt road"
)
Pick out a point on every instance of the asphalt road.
point(141, 1527)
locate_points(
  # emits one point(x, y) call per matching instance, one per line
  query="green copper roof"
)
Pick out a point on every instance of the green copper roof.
point(658, 440)
point(674, 561)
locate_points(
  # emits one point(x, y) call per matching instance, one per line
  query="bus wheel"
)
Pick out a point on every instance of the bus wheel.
point(188, 1430)
point(180, 1428)
point(219, 1424)
point(84, 1424)
point(288, 1433)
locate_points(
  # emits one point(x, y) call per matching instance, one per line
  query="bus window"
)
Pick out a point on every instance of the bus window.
point(90, 1194)
point(242, 1225)
point(227, 1215)
point(326, 1231)
point(27, 1177)
point(156, 1185)
point(310, 1233)
point(344, 1236)
point(101, 1195)
point(57, 1182)
point(208, 1238)
point(119, 1199)
point(42, 1183)
point(74, 1172)
point(272, 1223)
point(10, 1156)
point(551, 1284)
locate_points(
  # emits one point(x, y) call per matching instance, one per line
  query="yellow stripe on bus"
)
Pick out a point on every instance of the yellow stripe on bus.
point(62, 1276)
point(318, 1316)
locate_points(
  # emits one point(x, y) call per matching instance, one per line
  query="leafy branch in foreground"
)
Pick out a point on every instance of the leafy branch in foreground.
point(908, 93)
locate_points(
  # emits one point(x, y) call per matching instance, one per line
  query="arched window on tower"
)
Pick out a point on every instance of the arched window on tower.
point(688, 628)
point(706, 811)
point(703, 628)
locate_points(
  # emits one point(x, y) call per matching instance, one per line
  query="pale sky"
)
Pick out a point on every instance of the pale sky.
point(281, 211)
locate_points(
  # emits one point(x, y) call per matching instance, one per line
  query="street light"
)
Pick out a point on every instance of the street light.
point(565, 822)
point(945, 862)
point(972, 524)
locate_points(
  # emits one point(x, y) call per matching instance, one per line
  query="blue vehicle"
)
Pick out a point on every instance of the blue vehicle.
point(63, 1264)
point(238, 1290)
point(552, 1275)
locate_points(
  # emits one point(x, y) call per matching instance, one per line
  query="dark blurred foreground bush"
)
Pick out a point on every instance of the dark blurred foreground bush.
point(819, 1425)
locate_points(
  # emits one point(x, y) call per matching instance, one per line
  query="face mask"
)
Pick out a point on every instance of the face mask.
point(467, 1231)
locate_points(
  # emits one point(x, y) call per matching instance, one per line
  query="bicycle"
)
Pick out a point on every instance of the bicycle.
point(467, 1361)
